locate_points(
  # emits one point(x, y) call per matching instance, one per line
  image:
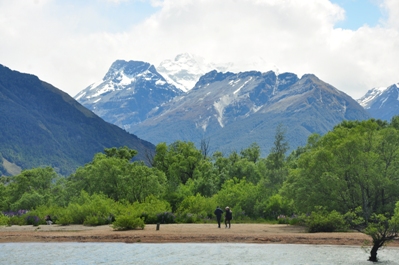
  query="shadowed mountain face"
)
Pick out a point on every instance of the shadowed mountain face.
point(43, 126)
point(233, 111)
point(382, 103)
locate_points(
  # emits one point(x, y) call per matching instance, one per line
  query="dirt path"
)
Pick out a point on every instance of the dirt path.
point(207, 233)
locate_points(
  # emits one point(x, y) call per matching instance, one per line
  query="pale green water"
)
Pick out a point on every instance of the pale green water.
point(187, 253)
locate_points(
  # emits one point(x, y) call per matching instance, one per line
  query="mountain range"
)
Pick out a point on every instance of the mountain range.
point(230, 110)
point(43, 126)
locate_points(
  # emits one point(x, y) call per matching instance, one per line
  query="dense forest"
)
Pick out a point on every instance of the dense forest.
point(345, 179)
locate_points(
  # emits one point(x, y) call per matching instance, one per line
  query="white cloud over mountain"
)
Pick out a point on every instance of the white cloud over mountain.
point(72, 45)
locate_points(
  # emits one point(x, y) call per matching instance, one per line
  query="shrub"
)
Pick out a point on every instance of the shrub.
point(93, 220)
point(4, 220)
point(17, 220)
point(32, 220)
point(128, 222)
point(64, 218)
point(147, 210)
point(194, 208)
point(166, 218)
point(320, 221)
point(282, 219)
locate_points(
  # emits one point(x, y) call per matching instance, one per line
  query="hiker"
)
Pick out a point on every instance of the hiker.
point(228, 217)
point(218, 212)
point(48, 220)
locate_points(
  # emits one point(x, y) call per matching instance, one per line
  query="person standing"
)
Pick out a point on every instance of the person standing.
point(218, 212)
point(228, 217)
point(48, 220)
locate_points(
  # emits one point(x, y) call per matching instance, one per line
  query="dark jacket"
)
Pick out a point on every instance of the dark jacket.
point(229, 214)
point(218, 212)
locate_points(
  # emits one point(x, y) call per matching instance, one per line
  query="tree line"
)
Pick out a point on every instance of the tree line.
point(345, 179)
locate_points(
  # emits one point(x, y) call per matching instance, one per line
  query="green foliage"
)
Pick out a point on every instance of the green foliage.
point(4, 220)
point(121, 153)
point(33, 220)
point(276, 206)
point(321, 221)
point(166, 218)
point(95, 220)
point(64, 217)
point(353, 165)
point(128, 222)
point(382, 228)
point(178, 161)
point(28, 201)
point(4, 197)
point(240, 195)
point(114, 176)
point(30, 189)
point(147, 210)
point(196, 208)
point(17, 220)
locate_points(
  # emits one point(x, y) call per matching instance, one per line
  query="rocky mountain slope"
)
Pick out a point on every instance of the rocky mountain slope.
point(127, 93)
point(382, 103)
point(43, 126)
point(234, 110)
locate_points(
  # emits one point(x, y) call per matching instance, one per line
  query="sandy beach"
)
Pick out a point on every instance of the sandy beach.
point(205, 233)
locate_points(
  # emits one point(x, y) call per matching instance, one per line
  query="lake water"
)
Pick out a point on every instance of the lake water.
point(188, 253)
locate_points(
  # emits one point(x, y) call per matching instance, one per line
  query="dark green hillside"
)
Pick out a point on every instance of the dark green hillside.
point(43, 126)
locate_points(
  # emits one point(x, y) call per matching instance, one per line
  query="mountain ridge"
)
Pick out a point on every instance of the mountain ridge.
point(44, 126)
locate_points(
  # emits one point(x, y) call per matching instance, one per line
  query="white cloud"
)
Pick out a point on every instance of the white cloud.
point(70, 46)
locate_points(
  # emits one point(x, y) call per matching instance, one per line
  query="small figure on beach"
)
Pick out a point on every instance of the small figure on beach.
point(218, 212)
point(48, 220)
point(228, 217)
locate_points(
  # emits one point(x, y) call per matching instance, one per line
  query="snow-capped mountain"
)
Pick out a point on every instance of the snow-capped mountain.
point(127, 93)
point(186, 69)
point(234, 110)
point(382, 103)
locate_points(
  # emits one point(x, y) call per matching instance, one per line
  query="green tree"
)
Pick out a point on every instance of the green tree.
point(115, 176)
point(178, 161)
point(30, 188)
point(276, 164)
point(353, 165)
point(122, 152)
point(382, 228)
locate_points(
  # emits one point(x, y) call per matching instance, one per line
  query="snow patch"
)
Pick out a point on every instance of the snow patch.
point(383, 101)
point(102, 90)
point(370, 96)
point(246, 82)
point(160, 82)
point(220, 105)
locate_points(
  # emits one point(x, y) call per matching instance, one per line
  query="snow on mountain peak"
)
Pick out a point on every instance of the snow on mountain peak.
point(186, 69)
point(370, 96)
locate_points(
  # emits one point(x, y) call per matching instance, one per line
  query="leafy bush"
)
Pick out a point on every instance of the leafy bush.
point(194, 208)
point(17, 220)
point(4, 220)
point(147, 210)
point(275, 207)
point(33, 220)
point(166, 218)
point(320, 221)
point(96, 209)
point(64, 217)
point(128, 222)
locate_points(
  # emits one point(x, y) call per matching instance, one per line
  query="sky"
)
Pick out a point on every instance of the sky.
point(350, 44)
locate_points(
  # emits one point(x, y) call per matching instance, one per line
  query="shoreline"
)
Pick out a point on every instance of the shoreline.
point(183, 233)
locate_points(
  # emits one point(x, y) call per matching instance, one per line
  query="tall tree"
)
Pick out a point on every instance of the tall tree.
point(276, 160)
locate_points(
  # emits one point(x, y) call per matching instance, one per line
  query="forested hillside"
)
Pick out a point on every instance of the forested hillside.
point(43, 126)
